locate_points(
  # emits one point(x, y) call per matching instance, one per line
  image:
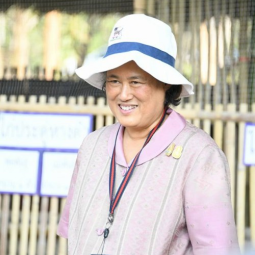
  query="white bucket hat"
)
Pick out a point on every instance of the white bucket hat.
point(147, 41)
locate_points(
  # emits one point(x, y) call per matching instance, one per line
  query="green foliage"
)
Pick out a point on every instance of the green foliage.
point(102, 31)
point(36, 42)
point(80, 34)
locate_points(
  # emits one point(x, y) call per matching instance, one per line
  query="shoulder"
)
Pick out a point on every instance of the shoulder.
point(101, 133)
point(197, 137)
point(189, 132)
point(197, 143)
point(98, 138)
point(204, 155)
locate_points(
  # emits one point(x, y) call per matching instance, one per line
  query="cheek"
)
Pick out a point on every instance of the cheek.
point(161, 93)
point(144, 94)
point(111, 93)
point(157, 97)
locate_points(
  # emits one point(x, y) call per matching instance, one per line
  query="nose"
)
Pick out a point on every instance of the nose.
point(125, 92)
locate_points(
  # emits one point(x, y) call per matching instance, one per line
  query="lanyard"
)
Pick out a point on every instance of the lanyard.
point(114, 200)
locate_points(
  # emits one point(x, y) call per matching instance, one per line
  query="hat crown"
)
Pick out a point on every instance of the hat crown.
point(139, 28)
point(145, 40)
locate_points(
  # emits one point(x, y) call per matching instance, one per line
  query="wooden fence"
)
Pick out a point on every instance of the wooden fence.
point(28, 223)
point(209, 35)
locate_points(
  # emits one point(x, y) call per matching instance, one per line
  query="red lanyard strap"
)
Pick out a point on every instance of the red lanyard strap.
point(115, 200)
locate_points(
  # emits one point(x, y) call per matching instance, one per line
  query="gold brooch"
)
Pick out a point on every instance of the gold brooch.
point(170, 149)
point(177, 152)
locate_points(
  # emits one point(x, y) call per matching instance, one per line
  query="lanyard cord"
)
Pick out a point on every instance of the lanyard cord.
point(115, 200)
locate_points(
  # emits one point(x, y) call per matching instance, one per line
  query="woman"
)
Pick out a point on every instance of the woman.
point(152, 183)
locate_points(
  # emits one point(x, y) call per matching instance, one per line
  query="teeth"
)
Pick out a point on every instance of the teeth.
point(127, 108)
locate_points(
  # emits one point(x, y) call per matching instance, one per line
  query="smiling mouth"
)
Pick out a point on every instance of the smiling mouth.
point(127, 107)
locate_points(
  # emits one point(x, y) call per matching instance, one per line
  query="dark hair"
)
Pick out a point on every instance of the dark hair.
point(172, 95)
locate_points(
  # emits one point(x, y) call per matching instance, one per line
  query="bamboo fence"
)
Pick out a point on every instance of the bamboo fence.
point(223, 103)
point(28, 223)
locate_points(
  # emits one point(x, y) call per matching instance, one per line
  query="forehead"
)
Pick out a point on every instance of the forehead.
point(129, 68)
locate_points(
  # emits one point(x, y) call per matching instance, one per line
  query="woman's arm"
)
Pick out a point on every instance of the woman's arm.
point(208, 209)
point(64, 219)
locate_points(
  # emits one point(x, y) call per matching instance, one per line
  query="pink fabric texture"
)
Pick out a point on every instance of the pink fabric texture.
point(179, 206)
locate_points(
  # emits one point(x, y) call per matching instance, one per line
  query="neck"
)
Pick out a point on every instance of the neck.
point(136, 135)
point(134, 139)
point(141, 133)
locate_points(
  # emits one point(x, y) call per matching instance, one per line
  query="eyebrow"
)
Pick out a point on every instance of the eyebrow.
point(135, 77)
point(112, 76)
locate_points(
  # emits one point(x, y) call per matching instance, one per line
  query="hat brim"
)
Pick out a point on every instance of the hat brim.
point(95, 75)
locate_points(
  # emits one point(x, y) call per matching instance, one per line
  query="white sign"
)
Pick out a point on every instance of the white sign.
point(57, 169)
point(249, 144)
point(29, 163)
point(19, 171)
point(41, 130)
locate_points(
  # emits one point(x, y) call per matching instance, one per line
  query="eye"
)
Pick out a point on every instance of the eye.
point(135, 82)
point(113, 82)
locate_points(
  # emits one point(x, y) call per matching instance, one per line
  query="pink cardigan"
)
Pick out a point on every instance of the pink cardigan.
point(178, 206)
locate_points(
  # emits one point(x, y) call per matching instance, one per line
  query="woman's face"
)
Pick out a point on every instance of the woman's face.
point(134, 96)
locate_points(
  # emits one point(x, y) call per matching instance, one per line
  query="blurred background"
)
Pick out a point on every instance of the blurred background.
point(42, 42)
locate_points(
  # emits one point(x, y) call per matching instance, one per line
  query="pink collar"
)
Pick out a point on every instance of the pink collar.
point(173, 125)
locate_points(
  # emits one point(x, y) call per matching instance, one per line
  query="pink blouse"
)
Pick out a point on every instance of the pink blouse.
point(172, 205)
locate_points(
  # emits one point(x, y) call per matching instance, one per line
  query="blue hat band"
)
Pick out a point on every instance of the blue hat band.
point(143, 48)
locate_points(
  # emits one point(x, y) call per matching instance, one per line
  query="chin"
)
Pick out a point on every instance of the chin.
point(126, 123)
